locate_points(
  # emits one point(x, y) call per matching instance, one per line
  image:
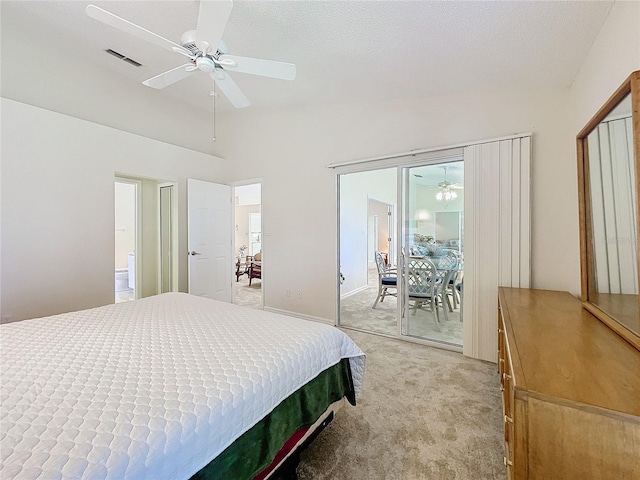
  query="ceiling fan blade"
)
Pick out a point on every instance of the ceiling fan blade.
point(167, 78)
point(212, 20)
point(114, 21)
point(230, 89)
point(256, 66)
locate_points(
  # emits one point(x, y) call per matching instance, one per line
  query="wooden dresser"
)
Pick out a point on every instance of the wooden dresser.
point(571, 390)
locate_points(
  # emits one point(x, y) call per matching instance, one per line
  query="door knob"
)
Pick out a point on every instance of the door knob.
point(193, 252)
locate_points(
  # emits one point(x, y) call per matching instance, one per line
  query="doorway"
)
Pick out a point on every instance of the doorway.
point(146, 237)
point(248, 245)
point(380, 227)
point(127, 215)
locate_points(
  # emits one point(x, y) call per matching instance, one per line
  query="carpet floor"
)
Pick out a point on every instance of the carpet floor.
point(424, 414)
point(248, 295)
point(356, 312)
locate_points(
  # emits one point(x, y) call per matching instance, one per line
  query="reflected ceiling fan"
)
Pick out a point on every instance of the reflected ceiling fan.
point(446, 190)
point(204, 49)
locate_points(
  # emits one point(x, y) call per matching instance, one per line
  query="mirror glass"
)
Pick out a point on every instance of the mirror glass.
point(613, 272)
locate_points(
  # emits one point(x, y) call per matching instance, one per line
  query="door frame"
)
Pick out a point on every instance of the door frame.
point(390, 219)
point(479, 335)
point(174, 235)
point(138, 233)
point(436, 157)
point(242, 183)
point(404, 193)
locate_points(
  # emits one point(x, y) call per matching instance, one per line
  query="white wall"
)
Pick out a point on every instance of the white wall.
point(290, 149)
point(58, 206)
point(356, 189)
point(426, 200)
point(287, 148)
point(613, 56)
point(61, 82)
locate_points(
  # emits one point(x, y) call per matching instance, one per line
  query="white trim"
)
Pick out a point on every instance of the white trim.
point(233, 185)
point(137, 257)
point(413, 153)
point(174, 235)
point(301, 316)
point(353, 292)
point(429, 158)
point(407, 338)
point(252, 181)
point(336, 194)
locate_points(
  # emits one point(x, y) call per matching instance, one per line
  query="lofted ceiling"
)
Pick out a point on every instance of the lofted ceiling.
point(345, 51)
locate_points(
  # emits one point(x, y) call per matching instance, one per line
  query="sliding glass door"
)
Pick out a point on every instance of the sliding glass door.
point(432, 253)
point(401, 251)
point(368, 206)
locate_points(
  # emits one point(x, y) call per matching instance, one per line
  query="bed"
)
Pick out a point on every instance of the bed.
point(168, 387)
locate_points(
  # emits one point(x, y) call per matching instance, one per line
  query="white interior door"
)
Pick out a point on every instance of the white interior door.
point(210, 239)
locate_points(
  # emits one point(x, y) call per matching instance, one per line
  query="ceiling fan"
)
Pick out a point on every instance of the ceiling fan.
point(446, 189)
point(205, 50)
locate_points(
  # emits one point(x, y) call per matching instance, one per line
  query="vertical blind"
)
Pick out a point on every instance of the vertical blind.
point(613, 200)
point(497, 230)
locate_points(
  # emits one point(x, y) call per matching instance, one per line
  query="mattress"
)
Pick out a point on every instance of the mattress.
point(155, 388)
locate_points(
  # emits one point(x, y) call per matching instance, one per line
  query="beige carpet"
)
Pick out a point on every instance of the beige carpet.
point(248, 295)
point(356, 312)
point(425, 414)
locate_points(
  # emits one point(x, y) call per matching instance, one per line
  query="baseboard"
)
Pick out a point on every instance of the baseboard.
point(299, 315)
point(353, 292)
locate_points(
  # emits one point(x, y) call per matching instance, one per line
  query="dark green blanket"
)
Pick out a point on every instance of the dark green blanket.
point(255, 449)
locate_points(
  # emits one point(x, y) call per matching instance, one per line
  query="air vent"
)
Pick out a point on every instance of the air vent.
point(122, 57)
point(132, 62)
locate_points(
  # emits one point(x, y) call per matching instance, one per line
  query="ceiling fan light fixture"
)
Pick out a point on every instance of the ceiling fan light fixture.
point(445, 192)
point(205, 64)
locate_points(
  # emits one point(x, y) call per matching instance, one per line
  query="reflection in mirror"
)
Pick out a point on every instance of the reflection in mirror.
point(613, 273)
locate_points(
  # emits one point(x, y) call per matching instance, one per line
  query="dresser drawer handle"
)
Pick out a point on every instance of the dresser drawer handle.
point(507, 462)
point(508, 419)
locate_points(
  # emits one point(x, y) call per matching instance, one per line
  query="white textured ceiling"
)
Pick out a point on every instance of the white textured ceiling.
point(348, 51)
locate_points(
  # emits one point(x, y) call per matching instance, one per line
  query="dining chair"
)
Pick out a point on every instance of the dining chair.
point(387, 279)
point(451, 261)
point(424, 285)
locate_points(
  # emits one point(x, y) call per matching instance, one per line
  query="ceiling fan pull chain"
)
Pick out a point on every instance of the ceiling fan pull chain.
point(213, 96)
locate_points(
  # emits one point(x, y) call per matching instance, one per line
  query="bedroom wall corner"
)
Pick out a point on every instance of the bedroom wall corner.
point(57, 192)
point(613, 56)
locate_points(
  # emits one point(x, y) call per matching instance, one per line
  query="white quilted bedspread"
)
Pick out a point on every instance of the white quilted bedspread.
point(150, 389)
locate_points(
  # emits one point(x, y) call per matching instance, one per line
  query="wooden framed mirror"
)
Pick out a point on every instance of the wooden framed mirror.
point(608, 185)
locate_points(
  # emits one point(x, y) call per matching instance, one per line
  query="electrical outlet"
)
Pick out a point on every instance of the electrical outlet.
point(287, 293)
point(299, 293)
